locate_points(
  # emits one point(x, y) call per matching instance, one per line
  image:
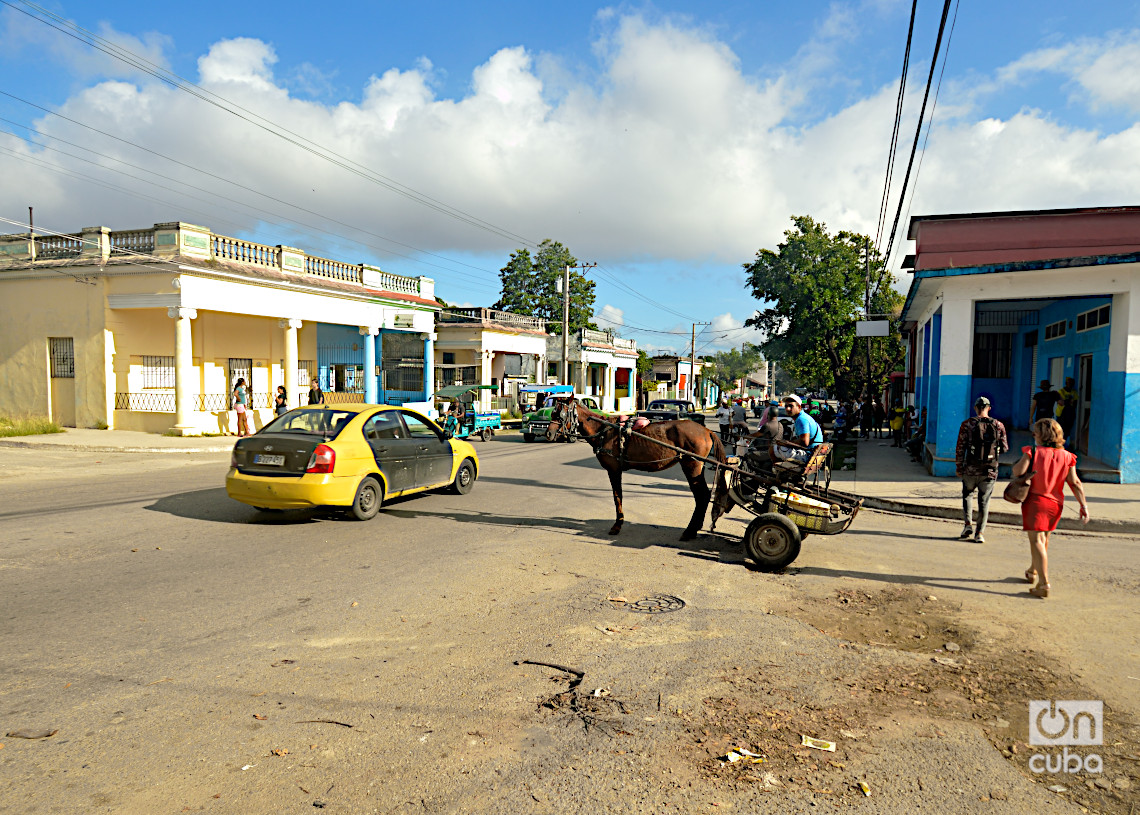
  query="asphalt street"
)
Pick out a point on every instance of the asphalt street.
point(192, 654)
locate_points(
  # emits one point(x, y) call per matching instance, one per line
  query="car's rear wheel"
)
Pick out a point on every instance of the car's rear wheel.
point(369, 496)
point(464, 478)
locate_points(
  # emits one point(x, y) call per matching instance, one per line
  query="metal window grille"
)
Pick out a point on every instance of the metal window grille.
point(306, 371)
point(157, 372)
point(240, 369)
point(403, 362)
point(992, 355)
point(62, 353)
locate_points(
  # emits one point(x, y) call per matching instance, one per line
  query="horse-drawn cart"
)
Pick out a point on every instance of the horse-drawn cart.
point(787, 507)
point(787, 497)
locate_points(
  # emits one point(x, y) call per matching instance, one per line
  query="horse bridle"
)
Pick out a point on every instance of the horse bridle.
point(590, 438)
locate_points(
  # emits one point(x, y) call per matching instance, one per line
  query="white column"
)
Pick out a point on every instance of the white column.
point(291, 359)
point(183, 368)
point(486, 369)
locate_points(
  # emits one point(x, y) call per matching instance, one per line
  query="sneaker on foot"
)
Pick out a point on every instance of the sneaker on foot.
point(979, 539)
point(967, 532)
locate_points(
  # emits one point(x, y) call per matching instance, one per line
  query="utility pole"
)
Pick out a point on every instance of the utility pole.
point(867, 308)
point(565, 281)
point(693, 364)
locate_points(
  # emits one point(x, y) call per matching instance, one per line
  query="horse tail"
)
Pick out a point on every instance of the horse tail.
point(721, 501)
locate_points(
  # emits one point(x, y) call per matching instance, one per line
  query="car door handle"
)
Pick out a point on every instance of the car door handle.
point(423, 449)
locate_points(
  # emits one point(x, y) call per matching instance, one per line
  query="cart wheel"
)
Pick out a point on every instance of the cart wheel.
point(772, 541)
point(485, 434)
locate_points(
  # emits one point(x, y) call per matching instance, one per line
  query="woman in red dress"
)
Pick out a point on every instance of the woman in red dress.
point(1053, 467)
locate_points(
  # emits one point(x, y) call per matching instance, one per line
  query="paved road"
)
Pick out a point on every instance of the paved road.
point(176, 640)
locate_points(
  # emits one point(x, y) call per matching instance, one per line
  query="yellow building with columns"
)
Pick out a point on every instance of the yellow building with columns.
point(150, 329)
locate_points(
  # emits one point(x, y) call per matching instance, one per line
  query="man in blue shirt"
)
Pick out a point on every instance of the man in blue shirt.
point(806, 432)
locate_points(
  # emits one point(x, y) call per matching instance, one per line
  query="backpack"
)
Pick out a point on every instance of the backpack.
point(982, 445)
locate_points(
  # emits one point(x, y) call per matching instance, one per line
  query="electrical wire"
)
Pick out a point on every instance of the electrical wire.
point(933, 110)
point(180, 83)
point(918, 130)
point(883, 201)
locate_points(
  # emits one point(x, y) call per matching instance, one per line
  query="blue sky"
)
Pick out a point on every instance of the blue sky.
point(666, 141)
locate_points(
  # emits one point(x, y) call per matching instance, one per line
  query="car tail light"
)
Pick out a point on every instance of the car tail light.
point(322, 460)
point(233, 459)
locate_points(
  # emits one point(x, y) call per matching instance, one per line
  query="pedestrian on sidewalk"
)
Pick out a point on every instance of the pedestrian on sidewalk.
point(880, 415)
point(866, 418)
point(898, 418)
point(1052, 466)
point(1066, 410)
point(1043, 403)
point(724, 419)
point(281, 401)
point(981, 439)
point(316, 395)
point(241, 400)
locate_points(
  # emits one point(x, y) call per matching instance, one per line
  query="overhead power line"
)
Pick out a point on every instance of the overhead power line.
point(918, 130)
point(884, 201)
point(140, 63)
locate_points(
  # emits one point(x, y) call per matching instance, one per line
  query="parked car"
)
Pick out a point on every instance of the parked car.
point(660, 410)
point(351, 456)
point(536, 423)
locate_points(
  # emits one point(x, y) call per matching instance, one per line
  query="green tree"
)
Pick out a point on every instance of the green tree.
point(813, 287)
point(730, 366)
point(529, 286)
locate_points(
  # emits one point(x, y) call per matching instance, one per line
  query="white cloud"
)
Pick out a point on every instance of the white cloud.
point(610, 317)
point(21, 34)
point(671, 152)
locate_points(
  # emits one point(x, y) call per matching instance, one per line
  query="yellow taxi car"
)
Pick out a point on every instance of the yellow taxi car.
point(352, 456)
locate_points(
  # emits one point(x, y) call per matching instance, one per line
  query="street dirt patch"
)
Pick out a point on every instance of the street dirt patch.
point(954, 675)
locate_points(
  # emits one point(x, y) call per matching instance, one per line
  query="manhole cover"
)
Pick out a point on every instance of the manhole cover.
point(657, 604)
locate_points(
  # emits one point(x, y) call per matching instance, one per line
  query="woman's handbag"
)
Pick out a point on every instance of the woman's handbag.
point(1017, 489)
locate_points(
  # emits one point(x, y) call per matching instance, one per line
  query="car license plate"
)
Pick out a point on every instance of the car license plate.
point(273, 461)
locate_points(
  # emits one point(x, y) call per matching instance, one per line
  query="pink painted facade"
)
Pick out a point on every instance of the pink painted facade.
point(957, 241)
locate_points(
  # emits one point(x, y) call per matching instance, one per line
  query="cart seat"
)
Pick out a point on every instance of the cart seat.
point(797, 471)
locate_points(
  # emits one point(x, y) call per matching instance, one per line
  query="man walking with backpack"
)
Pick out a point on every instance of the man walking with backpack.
point(980, 441)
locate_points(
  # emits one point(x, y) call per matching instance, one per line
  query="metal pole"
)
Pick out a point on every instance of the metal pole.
point(867, 309)
point(566, 326)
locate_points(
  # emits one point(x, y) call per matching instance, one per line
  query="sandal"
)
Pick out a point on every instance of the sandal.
point(1030, 575)
point(1041, 590)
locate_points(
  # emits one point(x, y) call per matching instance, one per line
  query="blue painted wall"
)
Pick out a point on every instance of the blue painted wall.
point(934, 415)
point(1130, 430)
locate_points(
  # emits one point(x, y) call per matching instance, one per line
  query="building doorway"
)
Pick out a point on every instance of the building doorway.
point(1084, 401)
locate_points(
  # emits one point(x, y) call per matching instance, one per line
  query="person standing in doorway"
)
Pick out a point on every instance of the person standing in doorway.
point(1066, 410)
point(981, 439)
point(281, 401)
point(1043, 403)
point(241, 401)
point(316, 395)
point(1053, 467)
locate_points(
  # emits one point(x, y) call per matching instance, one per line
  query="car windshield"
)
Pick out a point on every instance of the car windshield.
point(326, 423)
point(667, 404)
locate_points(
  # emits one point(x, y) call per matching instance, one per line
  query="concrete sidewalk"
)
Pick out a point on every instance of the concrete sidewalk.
point(121, 441)
point(890, 481)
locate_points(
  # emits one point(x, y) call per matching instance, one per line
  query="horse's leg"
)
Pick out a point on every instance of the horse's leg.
point(615, 484)
point(695, 473)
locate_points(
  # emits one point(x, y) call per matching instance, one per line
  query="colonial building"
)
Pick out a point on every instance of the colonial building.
point(601, 364)
point(150, 329)
point(674, 378)
point(1001, 301)
point(483, 346)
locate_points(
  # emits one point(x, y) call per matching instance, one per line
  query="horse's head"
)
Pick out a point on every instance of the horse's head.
point(589, 424)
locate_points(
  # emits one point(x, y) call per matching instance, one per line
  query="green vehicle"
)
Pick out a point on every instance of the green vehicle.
point(536, 422)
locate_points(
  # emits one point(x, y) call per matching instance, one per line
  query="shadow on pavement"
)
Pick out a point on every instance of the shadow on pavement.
point(215, 505)
point(934, 582)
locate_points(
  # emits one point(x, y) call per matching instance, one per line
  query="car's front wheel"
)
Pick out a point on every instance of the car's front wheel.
point(369, 496)
point(464, 478)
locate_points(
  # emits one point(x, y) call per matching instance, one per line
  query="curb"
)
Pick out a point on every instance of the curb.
point(90, 448)
point(1010, 518)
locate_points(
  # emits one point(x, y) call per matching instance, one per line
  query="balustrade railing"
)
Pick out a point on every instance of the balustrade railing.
point(137, 240)
point(58, 246)
point(507, 318)
point(399, 283)
point(257, 254)
point(334, 269)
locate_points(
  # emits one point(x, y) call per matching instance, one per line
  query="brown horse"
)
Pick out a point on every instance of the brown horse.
point(616, 452)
